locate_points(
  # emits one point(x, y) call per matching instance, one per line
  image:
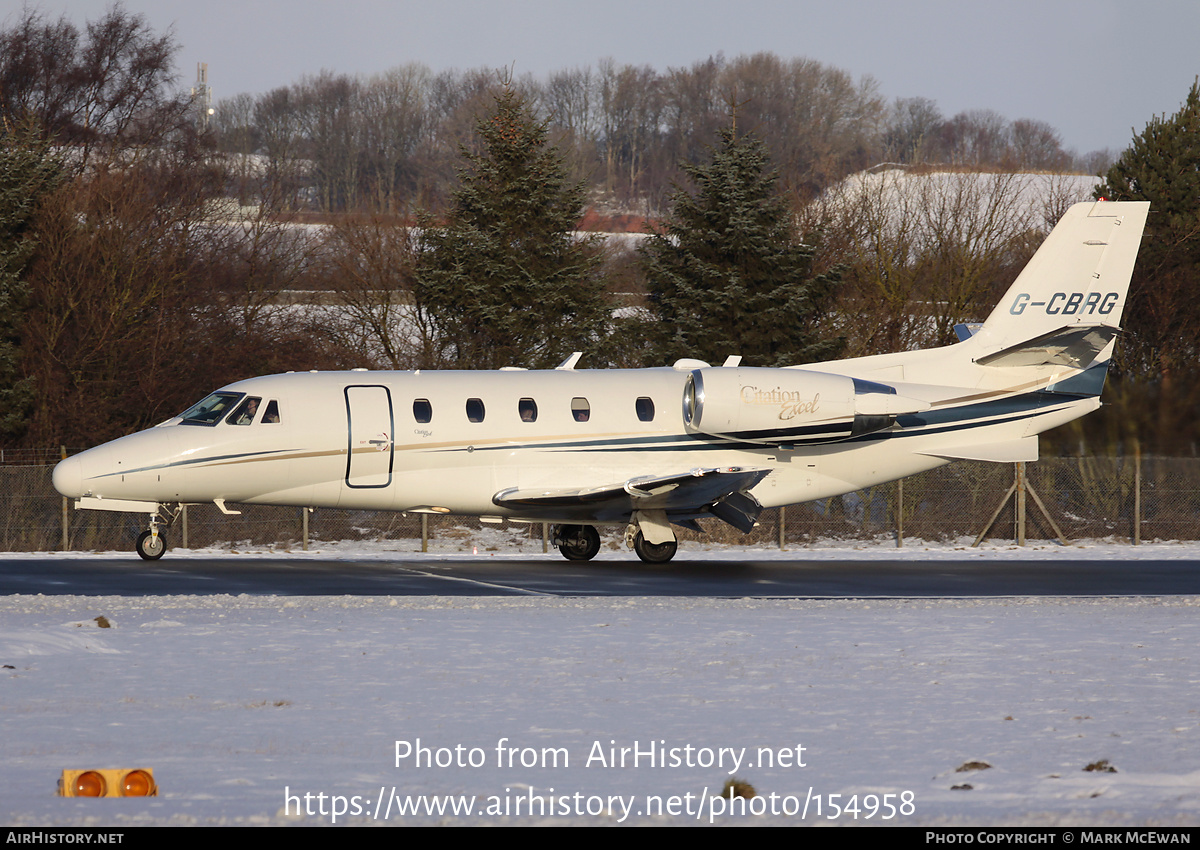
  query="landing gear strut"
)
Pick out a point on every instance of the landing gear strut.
point(576, 542)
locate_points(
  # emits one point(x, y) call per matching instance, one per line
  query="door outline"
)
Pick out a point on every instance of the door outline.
point(368, 408)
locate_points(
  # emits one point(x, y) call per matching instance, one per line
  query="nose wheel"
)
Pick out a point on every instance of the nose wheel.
point(151, 545)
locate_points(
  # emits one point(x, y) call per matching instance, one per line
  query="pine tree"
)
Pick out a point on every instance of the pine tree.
point(28, 171)
point(727, 273)
point(505, 282)
point(1156, 395)
point(1162, 166)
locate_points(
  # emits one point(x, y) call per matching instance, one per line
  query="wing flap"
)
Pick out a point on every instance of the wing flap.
point(720, 491)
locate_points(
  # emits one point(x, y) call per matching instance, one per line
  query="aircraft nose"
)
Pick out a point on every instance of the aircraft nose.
point(68, 477)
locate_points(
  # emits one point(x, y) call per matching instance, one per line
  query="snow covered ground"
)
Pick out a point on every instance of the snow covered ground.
point(553, 710)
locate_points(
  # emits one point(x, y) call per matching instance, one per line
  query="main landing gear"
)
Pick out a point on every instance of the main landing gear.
point(576, 542)
point(582, 542)
point(654, 553)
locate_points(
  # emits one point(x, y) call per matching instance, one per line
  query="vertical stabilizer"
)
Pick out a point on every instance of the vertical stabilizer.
point(1066, 305)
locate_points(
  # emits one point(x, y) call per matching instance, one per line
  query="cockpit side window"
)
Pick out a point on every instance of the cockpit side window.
point(211, 409)
point(271, 417)
point(245, 413)
point(581, 410)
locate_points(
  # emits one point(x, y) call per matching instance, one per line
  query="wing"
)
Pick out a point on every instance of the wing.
point(685, 496)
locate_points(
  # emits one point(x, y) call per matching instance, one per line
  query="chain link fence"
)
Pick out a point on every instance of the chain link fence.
point(1155, 498)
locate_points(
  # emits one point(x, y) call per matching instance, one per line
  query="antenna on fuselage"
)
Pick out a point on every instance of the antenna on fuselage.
point(568, 365)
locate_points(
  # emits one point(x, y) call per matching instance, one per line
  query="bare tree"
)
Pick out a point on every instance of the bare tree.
point(928, 250)
point(1036, 146)
point(911, 130)
point(873, 226)
point(279, 126)
point(329, 107)
point(976, 137)
point(394, 115)
point(108, 86)
point(370, 260)
point(631, 103)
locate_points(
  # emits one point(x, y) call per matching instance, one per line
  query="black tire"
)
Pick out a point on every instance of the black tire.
point(654, 553)
point(578, 542)
point(151, 547)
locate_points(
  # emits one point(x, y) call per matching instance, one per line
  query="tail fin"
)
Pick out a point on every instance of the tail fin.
point(1065, 307)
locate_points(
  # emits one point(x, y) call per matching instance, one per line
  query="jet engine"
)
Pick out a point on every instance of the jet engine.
point(788, 406)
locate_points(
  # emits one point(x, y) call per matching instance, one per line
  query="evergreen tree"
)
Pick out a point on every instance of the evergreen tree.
point(28, 171)
point(505, 282)
point(1156, 395)
point(1162, 166)
point(727, 273)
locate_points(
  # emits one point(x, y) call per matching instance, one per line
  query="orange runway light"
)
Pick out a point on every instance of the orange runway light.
point(108, 782)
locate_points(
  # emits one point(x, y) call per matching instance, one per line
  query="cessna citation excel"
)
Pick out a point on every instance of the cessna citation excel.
point(646, 449)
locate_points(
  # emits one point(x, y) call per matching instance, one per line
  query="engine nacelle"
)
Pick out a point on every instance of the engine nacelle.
point(773, 406)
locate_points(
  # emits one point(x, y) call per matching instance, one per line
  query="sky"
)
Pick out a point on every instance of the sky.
point(1096, 70)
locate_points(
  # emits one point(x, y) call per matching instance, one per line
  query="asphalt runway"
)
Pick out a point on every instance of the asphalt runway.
point(474, 576)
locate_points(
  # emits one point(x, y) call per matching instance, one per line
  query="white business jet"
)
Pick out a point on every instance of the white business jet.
point(647, 449)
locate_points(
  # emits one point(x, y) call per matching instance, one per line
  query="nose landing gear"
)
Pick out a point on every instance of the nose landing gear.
point(151, 544)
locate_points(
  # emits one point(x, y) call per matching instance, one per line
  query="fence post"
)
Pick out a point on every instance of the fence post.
point(1137, 493)
point(1020, 518)
point(183, 512)
point(424, 532)
point(66, 519)
point(304, 512)
point(782, 527)
point(899, 513)
point(545, 537)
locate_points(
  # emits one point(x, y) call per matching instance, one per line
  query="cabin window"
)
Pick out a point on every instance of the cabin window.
point(581, 411)
point(527, 407)
point(645, 409)
point(211, 409)
point(474, 410)
point(422, 410)
point(245, 413)
point(271, 416)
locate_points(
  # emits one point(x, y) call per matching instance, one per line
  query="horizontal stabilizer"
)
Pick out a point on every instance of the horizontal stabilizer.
point(1009, 451)
point(1074, 346)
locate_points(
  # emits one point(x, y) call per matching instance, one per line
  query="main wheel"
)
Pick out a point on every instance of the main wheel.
point(578, 542)
point(151, 546)
point(654, 553)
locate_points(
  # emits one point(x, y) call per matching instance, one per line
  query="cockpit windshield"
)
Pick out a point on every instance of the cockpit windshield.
point(210, 411)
